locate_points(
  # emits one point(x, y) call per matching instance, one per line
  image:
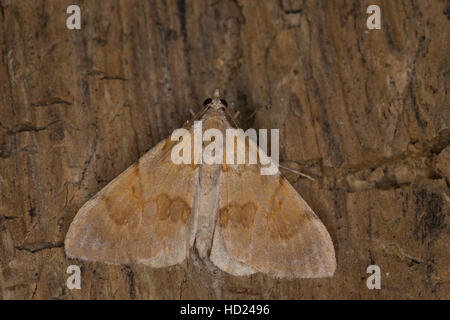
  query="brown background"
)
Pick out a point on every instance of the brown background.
point(365, 112)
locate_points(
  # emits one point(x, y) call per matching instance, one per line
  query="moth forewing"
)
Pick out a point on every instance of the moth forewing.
point(265, 226)
point(142, 216)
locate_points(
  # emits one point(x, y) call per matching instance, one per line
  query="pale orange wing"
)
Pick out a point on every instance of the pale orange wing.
point(265, 226)
point(142, 216)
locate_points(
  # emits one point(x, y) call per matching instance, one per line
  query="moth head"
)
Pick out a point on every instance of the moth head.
point(215, 102)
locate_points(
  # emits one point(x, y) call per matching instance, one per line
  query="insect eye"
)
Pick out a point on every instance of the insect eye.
point(207, 101)
point(224, 102)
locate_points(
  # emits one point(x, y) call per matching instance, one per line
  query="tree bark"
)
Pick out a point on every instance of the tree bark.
point(365, 112)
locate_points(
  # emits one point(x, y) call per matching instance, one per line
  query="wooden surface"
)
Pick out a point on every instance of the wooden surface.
point(365, 112)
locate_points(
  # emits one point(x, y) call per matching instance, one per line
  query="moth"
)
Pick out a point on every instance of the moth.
point(158, 213)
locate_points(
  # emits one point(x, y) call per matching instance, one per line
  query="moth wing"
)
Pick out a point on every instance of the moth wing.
point(142, 216)
point(265, 226)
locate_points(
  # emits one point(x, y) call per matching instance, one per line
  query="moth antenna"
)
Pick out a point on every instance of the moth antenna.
point(192, 112)
point(297, 172)
point(218, 102)
point(236, 114)
point(251, 115)
point(227, 111)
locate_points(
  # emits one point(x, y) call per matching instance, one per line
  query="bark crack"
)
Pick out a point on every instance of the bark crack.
point(52, 101)
point(26, 126)
point(39, 246)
